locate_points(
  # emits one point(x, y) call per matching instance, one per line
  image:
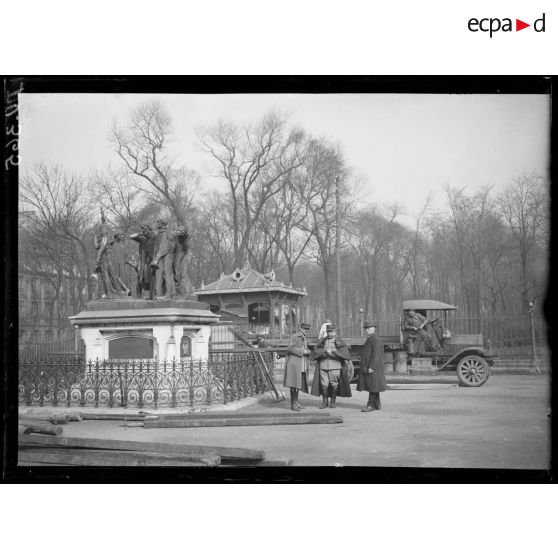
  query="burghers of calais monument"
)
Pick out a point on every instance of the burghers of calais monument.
point(145, 309)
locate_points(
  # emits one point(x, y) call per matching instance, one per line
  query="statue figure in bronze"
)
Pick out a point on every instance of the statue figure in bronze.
point(146, 277)
point(107, 268)
point(118, 261)
point(180, 262)
point(162, 262)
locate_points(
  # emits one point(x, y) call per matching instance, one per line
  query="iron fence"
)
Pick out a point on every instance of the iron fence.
point(505, 335)
point(141, 383)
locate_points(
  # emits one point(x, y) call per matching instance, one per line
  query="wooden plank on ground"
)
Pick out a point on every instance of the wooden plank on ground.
point(41, 427)
point(262, 421)
point(275, 463)
point(210, 416)
point(71, 414)
point(413, 379)
point(111, 458)
point(112, 416)
point(54, 418)
point(264, 463)
point(421, 386)
point(34, 464)
point(226, 453)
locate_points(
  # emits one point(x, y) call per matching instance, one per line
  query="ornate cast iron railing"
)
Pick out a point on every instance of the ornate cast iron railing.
point(141, 383)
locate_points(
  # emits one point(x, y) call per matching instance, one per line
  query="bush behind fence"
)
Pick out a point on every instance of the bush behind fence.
point(141, 383)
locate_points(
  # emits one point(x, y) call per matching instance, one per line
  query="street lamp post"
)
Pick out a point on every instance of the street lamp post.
point(534, 364)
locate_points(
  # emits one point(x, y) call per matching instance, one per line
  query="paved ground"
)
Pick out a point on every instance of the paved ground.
point(504, 424)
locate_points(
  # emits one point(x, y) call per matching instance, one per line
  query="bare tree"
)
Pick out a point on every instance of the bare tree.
point(58, 232)
point(211, 248)
point(255, 161)
point(417, 249)
point(374, 233)
point(323, 164)
point(117, 193)
point(143, 147)
point(524, 206)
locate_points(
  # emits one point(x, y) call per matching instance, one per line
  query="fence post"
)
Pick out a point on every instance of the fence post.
point(534, 365)
point(191, 391)
point(225, 380)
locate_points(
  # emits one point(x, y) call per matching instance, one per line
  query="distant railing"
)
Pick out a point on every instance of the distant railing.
point(142, 383)
point(37, 349)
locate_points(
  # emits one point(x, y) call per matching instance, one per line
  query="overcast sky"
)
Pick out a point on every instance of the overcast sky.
point(404, 146)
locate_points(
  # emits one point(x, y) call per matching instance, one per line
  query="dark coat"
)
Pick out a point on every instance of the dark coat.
point(372, 357)
point(296, 363)
point(342, 352)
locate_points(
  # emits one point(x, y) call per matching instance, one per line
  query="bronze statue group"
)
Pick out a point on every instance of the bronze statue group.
point(162, 268)
point(333, 367)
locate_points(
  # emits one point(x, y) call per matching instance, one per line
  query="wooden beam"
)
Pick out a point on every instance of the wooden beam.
point(264, 463)
point(226, 453)
point(41, 428)
point(275, 463)
point(111, 458)
point(71, 414)
point(112, 416)
point(54, 418)
point(268, 421)
point(420, 379)
point(211, 416)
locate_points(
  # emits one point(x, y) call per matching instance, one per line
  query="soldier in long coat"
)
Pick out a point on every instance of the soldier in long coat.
point(331, 375)
point(371, 377)
point(296, 365)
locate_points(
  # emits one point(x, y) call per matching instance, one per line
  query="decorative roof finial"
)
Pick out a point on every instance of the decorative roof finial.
point(246, 262)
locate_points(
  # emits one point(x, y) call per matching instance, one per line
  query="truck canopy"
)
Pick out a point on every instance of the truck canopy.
point(427, 305)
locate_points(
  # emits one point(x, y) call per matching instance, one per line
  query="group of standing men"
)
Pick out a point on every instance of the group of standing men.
point(333, 367)
point(162, 264)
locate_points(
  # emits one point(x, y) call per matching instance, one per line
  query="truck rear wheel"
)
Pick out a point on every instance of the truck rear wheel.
point(473, 371)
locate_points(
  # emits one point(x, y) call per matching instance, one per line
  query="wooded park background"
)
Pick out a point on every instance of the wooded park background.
point(274, 201)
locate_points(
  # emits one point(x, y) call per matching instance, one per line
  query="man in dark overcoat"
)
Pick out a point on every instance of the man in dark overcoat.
point(331, 374)
point(371, 377)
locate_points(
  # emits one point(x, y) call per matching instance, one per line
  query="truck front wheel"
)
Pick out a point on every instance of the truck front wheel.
point(473, 371)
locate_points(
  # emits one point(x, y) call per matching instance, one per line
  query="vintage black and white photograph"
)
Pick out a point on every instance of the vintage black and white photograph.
point(283, 279)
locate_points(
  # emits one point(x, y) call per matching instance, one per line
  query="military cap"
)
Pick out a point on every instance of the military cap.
point(304, 325)
point(369, 324)
point(330, 327)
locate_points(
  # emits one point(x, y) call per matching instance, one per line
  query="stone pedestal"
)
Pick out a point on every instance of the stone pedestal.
point(400, 362)
point(388, 362)
point(157, 329)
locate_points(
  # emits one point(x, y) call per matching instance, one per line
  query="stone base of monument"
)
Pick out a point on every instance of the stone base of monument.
point(139, 329)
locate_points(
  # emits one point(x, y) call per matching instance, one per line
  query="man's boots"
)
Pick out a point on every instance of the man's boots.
point(370, 405)
point(324, 399)
point(377, 404)
point(333, 396)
